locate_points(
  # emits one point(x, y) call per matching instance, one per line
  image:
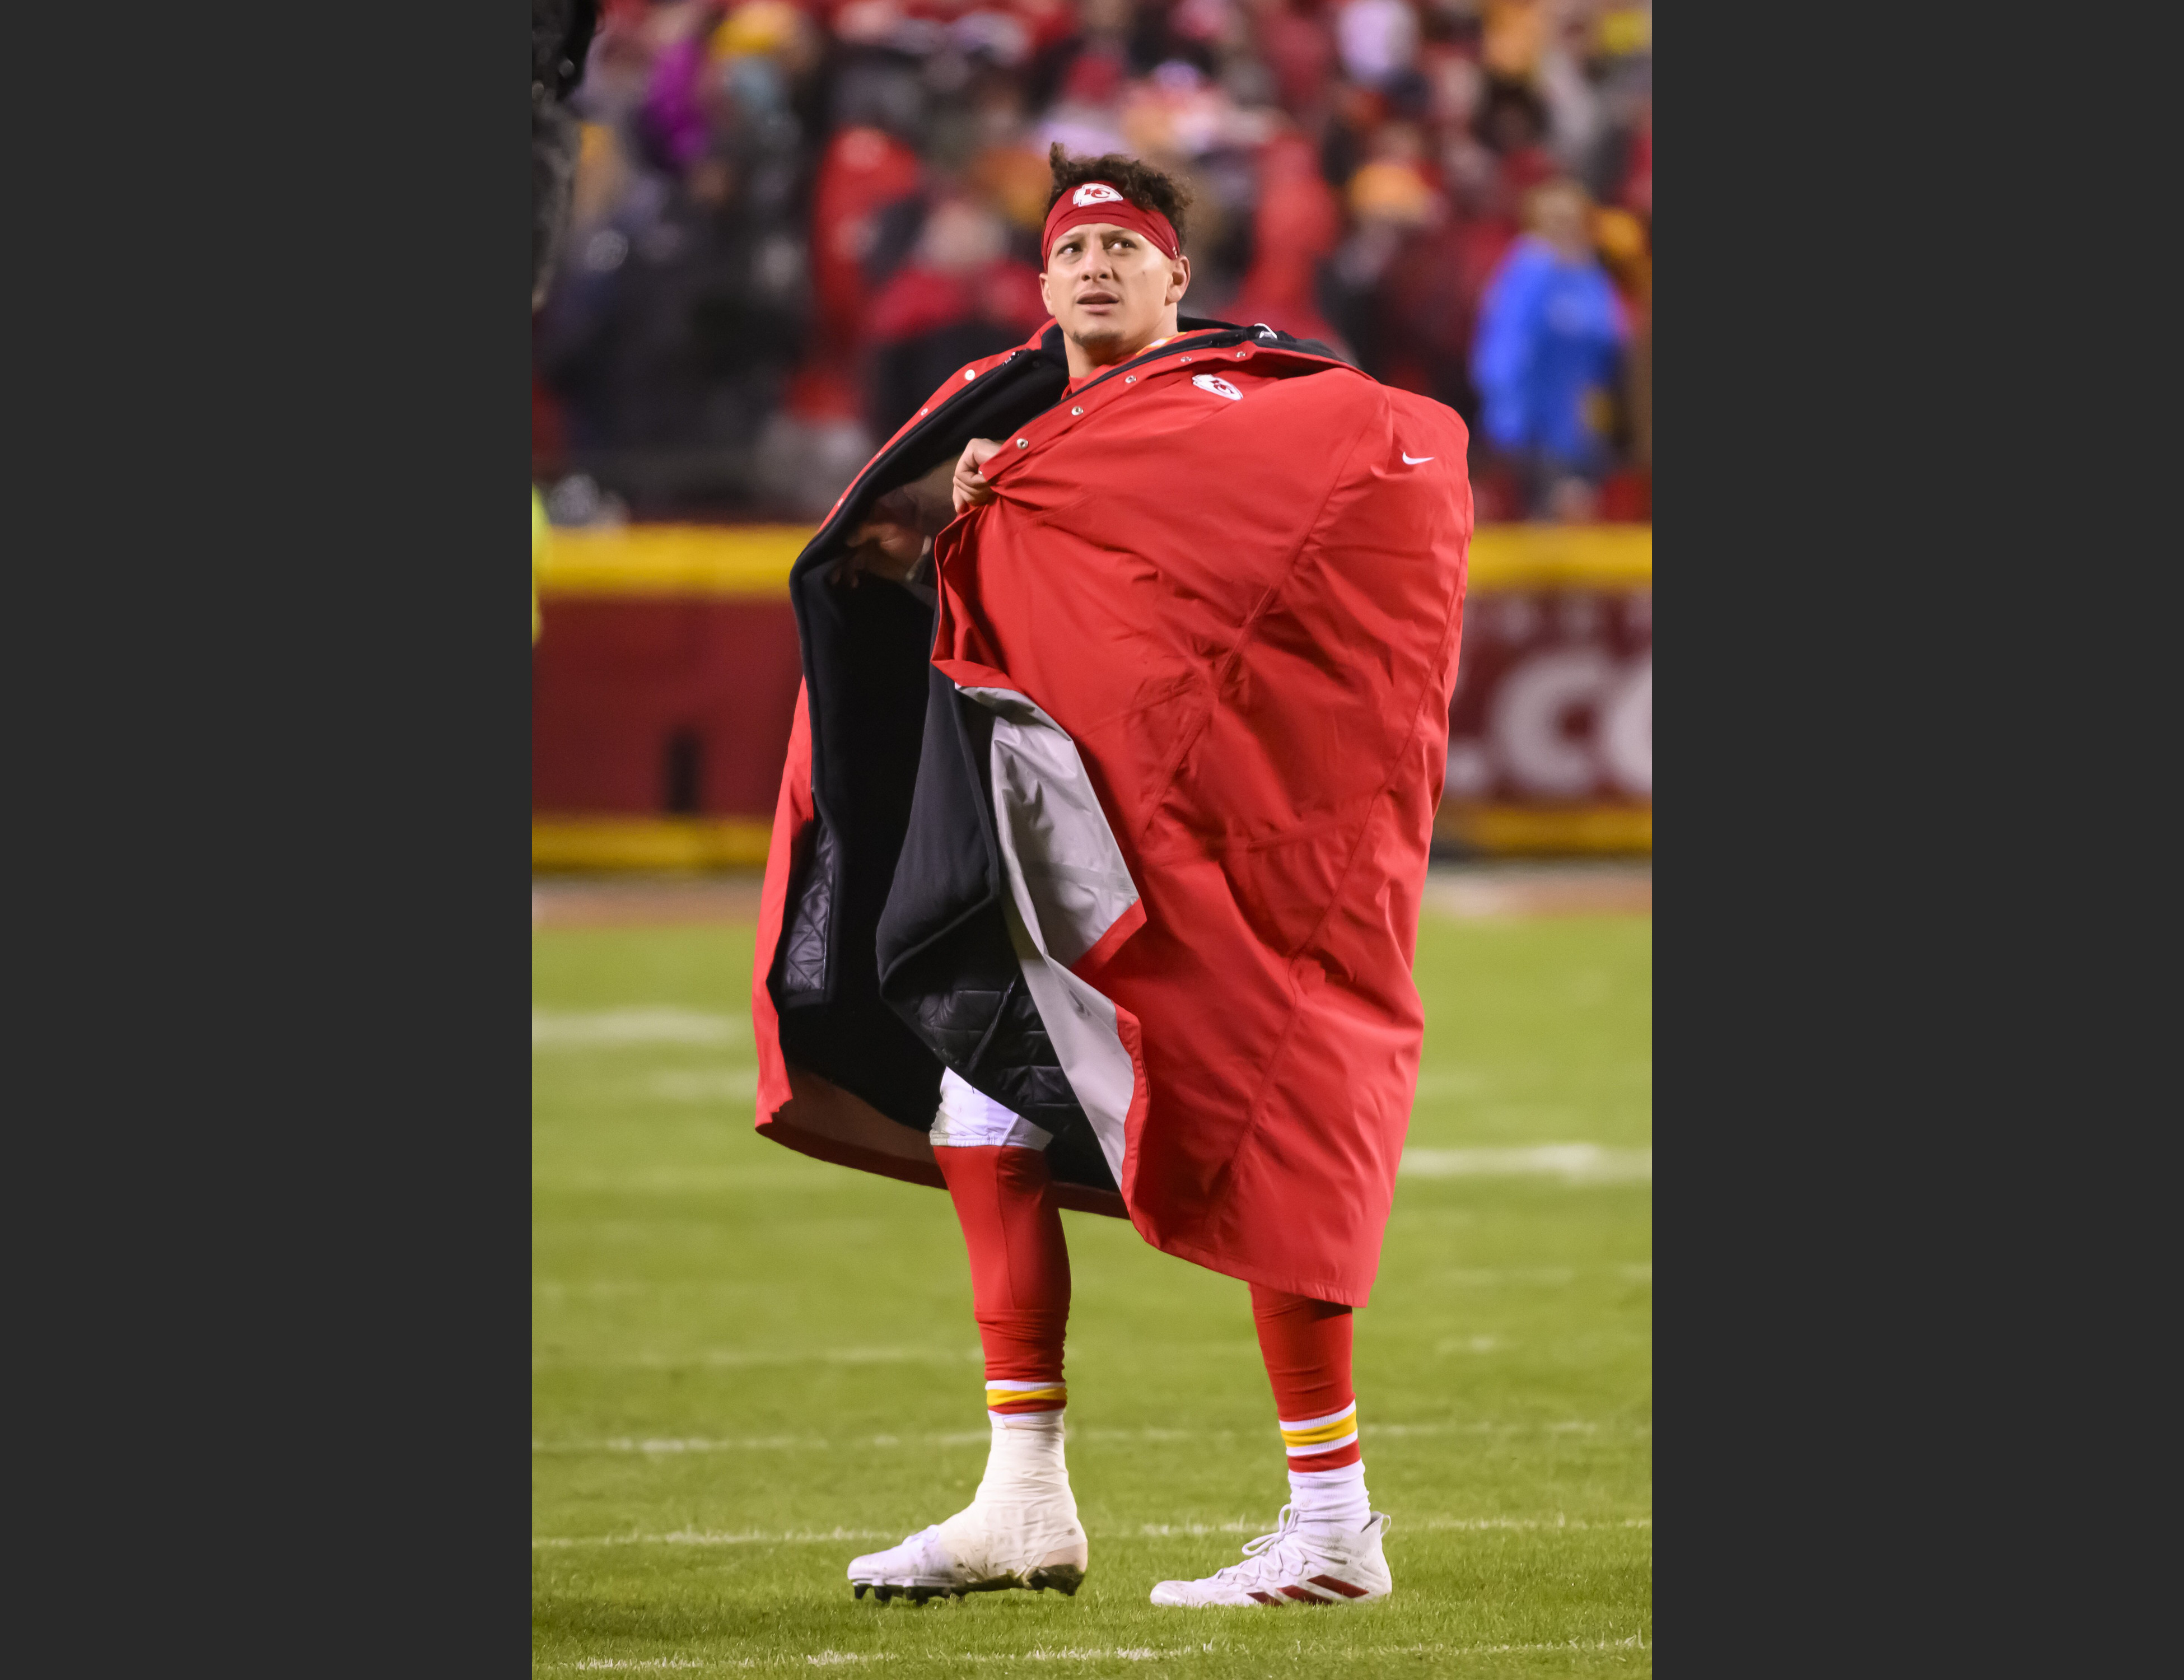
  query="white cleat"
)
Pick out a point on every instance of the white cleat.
point(979, 1551)
point(918, 1569)
point(1296, 1564)
point(1020, 1531)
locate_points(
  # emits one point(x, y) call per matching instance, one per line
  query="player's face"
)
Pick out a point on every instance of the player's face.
point(1112, 289)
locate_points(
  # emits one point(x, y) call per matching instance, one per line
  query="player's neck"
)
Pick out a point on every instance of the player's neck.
point(1114, 353)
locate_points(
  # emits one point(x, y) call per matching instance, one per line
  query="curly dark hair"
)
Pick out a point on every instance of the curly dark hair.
point(1145, 187)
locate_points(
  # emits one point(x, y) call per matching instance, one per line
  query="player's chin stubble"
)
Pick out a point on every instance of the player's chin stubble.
point(1097, 334)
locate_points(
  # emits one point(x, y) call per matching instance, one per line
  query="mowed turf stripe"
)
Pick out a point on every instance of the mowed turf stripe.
point(1571, 1164)
point(647, 1024)
point(732, 1358)
point(1163, 1531)
point(1156, 1531)
point(621, 1288)
point(706, 1537)
point(1089, 1436)
point(830, 1659)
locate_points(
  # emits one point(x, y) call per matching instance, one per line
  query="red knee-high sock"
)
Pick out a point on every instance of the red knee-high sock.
point(1004, 1197)
point(1307, 1347)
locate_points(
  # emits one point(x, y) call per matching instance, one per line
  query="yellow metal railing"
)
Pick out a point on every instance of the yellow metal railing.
point(753, 561)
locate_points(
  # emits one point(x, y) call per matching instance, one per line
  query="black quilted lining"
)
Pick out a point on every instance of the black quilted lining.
point(947, 967)
point(802, 977)
point(994, 1040)
point(991, 1035)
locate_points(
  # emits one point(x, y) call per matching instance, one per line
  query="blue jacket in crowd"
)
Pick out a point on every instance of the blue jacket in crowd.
point(1548, 332)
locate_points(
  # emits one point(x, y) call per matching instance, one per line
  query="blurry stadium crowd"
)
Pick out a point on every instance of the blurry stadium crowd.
point(793, 218)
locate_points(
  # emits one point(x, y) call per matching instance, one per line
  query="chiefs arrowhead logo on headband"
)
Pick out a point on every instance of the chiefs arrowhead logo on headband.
point(1096, 200)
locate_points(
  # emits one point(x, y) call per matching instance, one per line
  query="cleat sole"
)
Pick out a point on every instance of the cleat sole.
point(1064, 1578)
point(885, 1591)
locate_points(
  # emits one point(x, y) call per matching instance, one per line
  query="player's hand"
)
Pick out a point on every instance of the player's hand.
point(888, 542)
point(969, 488)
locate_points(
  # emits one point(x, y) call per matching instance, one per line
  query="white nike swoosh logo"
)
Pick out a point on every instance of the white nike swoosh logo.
point(1411, 460)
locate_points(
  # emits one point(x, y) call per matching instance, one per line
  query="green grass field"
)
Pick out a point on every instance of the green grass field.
point(750, 1366)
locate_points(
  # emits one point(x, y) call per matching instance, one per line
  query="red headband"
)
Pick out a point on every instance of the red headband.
point(1096, 201)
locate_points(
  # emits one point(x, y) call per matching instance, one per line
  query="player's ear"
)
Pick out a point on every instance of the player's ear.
point(1046, 296)
point(1178, 278)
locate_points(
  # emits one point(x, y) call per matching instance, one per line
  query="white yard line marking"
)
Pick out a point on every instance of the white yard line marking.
point(560, 1290)
point(609, 1029)
point(1528, 1522)
point(623, 1288)
point(1574, 1163)
point(695, 1536)
point(656, 1446)
point(1637, 1642)
point(681, 1181)
point(1568, 1427)
point(730, 1359)
point(833, 1658)
point(1115, 1654)
point(662, 1445)
point(1152, 1531)
point(1162, 1531)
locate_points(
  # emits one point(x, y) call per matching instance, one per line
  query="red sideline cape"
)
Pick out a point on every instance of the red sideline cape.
point(1234, 577)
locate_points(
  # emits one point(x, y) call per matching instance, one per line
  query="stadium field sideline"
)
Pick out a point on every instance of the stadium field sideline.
point(749, 1367)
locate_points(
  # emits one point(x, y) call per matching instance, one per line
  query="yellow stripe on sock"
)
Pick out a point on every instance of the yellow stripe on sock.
point(998, 1398)
point(1320, 1434)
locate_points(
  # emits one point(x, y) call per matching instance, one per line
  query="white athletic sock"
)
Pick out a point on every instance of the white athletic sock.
point(1332, 1498)
point(1025, 1462)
